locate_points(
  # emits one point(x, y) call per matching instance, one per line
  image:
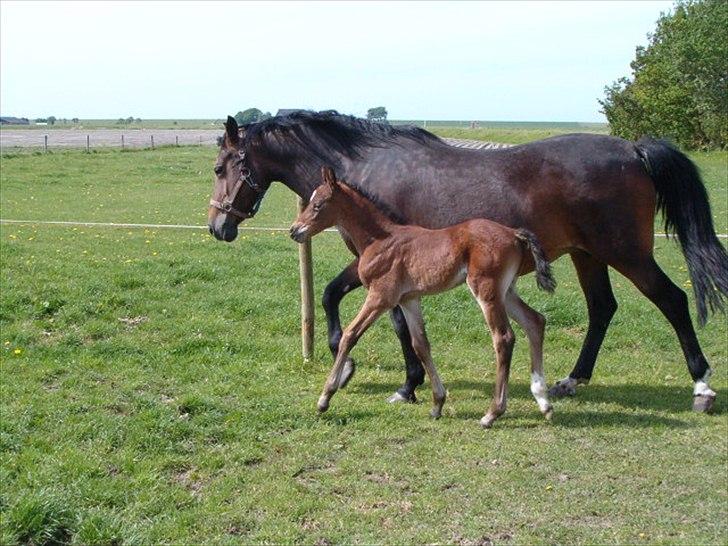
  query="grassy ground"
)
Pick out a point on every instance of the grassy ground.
point(153, 391)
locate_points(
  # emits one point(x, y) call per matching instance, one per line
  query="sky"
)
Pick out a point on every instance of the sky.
point(509, 61)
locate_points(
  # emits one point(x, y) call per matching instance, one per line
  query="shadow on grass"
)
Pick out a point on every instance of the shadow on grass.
point(667, 398)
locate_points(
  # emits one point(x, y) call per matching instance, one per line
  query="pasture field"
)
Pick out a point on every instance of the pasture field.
point(152, 389)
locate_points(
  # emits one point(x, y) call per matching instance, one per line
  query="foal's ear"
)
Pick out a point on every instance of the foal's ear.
point(231, 131)
point(327, 173)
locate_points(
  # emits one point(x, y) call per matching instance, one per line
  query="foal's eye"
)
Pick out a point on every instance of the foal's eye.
point(218, 169)
point(317, 207)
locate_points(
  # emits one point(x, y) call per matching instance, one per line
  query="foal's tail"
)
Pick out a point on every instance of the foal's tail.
point(682, 198)
point(544, 278)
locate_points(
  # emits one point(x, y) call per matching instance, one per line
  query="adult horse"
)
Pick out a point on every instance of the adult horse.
point(593, 197)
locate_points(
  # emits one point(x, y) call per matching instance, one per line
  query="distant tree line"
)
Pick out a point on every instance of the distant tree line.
point(378, 113)
point(679, 85)
point(128, 121)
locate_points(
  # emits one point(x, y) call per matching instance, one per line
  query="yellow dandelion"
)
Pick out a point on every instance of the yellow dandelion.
point(18, 352)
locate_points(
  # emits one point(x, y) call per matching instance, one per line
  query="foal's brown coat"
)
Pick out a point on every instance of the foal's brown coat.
point(400, 263)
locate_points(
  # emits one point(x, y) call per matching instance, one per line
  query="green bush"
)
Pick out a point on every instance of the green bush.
point(678, 87)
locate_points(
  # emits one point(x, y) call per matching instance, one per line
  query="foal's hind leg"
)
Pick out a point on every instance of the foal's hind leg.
point(490, 298)
point(533, 324)
point(653, 283)
point(416, 324)
point(371, 310)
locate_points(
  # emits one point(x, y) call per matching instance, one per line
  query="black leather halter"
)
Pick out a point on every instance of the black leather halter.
point(245, 177)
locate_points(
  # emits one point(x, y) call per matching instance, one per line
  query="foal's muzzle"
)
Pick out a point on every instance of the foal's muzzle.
point(298, 232)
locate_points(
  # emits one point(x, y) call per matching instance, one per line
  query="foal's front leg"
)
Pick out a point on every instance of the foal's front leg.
point(371, 310)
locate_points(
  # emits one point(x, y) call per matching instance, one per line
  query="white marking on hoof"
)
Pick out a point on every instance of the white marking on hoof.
point(487, 420)
point(538, 389)
point(564, 387)
point(397, 398)
point(549, 413)
point(702, 388)
point(436, 412)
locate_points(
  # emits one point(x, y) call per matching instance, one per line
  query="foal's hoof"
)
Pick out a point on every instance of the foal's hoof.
point(549, 414)
point(323, 405)
point(436, 413)
point(398, 398)
point(347, 372)
point(488, 420)
point(702, 403)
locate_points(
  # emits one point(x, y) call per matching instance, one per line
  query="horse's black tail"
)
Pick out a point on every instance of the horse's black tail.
point(544, 278)
point(682, 198)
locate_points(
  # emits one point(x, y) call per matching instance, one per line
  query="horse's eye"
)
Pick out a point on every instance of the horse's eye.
point(219, 169)
point(317, 207)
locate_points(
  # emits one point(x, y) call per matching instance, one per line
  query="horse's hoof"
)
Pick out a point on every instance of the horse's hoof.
point(322, 405)
point(347, 372)
point(436, 413)
point(398, 398)
point(549, 414)
point(487, 420)
point(702, 403)
point(565, 387)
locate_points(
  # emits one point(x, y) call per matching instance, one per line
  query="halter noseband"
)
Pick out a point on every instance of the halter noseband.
point(245, 177)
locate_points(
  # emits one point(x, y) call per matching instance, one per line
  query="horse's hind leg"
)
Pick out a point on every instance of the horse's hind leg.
point(533, 324)
point(490, 297)
point(371, 310)
point(343, 283)
point(601, 306)
point(421, 345)
point(653, 283)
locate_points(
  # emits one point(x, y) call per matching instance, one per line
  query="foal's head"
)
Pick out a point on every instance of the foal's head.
point(321, 211)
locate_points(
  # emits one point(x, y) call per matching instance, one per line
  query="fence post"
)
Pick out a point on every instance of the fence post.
point(176, 140)
point(88, 144)
point(45, 143)
point(305, 267)
point(122, 142)
point(152, 138)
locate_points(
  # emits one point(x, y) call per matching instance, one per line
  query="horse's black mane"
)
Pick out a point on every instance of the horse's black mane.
point(324, 135)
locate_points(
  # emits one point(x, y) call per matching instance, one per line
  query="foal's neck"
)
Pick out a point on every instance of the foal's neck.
point(363, 222)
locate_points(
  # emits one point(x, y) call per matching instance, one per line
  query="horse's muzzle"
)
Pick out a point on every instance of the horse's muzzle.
point(223, 230)
point(298, 232)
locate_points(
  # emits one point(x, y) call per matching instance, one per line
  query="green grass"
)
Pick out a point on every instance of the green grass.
point(158, 394)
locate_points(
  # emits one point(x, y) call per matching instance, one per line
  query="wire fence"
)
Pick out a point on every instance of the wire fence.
point(105, 138)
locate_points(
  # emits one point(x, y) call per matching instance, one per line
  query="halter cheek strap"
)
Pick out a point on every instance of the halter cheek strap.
point(226, 205)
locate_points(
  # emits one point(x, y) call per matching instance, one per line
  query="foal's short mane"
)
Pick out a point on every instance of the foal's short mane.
point(378, 203)
point(328, 134)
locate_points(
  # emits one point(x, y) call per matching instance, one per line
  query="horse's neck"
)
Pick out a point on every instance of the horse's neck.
point(363, 222)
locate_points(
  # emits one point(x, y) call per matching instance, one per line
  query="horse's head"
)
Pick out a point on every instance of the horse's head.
point(320, 212)
point(237, 193)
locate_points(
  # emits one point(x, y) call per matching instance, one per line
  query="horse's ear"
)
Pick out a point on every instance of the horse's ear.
point(327, 173)
point(231, 130)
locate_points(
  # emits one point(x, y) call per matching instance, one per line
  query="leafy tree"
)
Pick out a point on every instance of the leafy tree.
point(251, 115)
point(378, 113)
point(130, 119)
point(75, 120)
point(138, 120)
point(51, 120)
point(678, 87)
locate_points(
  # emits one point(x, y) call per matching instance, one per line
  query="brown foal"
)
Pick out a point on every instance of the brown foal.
point(400, 263)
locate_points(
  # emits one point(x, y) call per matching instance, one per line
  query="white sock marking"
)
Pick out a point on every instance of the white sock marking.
point(702, 388)
point(538, 389)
